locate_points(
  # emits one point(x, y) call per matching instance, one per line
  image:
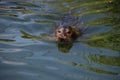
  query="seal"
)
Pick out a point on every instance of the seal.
point(67, 29)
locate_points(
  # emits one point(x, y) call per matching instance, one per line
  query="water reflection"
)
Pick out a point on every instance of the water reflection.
point(64, 46)
point(110, 18)
point(109, 60)
point(91, 68)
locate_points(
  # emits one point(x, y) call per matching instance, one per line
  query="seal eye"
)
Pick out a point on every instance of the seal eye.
point(59, 31)
point(69, 32)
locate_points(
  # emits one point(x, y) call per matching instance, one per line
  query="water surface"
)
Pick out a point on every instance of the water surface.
point(24, 54)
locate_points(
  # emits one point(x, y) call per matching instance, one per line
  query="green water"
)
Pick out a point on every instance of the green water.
point(29, 51)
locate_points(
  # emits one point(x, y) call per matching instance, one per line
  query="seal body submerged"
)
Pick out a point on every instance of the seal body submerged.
point(67, 29)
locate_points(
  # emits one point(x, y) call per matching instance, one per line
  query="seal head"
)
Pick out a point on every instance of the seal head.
point(64, 33)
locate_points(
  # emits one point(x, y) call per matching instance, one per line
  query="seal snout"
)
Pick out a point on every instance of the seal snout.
point(63, 33)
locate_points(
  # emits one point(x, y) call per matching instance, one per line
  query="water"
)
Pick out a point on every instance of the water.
point(24, 54)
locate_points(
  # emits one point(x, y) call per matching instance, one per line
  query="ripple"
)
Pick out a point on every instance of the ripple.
point(10, 50)
point(27, 73)
point(7, 35)
point(90, 68)
point(52, 67)
point(14, 63)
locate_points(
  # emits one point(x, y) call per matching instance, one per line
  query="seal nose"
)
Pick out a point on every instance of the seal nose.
point(63, 36)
